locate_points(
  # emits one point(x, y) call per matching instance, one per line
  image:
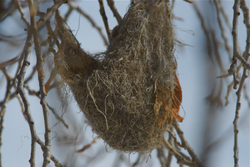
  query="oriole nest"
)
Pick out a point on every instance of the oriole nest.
point(131, 95)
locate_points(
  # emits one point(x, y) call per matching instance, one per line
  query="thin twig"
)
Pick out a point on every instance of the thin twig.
point(244, 62)
point(161, 156)
point(52, 76)
point(69, 12)
point(57, 116)
point(171, 141)
point(88, 145)
point(57, 163)
point(246, 21)
point(3, 109)
point(31, 75)
point(104, 18)
point(172, 5)
point(41, 77)
point(9, 11)
point(13, 94)
point(233, 70)
point(8, 62)
point(236, 52)
point(37, 94)
point(222, 29)
point(137, 160)
point(205, 29)
point(99, 29)
point(235, 122)
point(114, 10)
point(246, 92)
point(225, 15)
point(21, 92)
point(21, 12)
point(245, 71)
point(216, 51)
point(51, 39)
point(49, 13)
point(186, 145)
point(230, 86)
point(27, 113)
point(21, 104)
point(31, 91)
point(178, 156)
point(245, 11)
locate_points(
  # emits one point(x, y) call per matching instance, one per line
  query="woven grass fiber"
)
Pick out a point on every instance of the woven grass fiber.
point(131, 94)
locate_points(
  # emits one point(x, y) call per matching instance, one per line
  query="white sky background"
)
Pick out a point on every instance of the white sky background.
point(192, 67)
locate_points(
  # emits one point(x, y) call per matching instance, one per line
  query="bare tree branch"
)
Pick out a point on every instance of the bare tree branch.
point(30, 76)
point(114, 10)
point(57, 163)
point(41, 77)
point(224, 15)
point(49, 13)
point(236, 52)
point(8, 12)
point(161, 156)
point(186, 145)
point(21, 12)
point(21, 92)
point(246, 21)
point(244, 62)
point(179, 157)
point(89, 145)
point(137, 161)
point(104, 18)
point(171, 141)
point(2, 112)
point(57, 116)
point(27, 112)
point(73, 6)
point(216, 51)
point(205, 29)
point(222, 29)
point(234, 64)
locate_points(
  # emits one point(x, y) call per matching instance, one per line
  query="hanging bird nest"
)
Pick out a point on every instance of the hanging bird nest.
point(131, 95)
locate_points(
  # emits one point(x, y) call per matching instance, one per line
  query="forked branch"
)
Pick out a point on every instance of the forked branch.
point(186, 145)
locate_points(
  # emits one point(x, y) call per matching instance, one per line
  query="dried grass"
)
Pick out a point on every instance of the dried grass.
point(126, 96)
